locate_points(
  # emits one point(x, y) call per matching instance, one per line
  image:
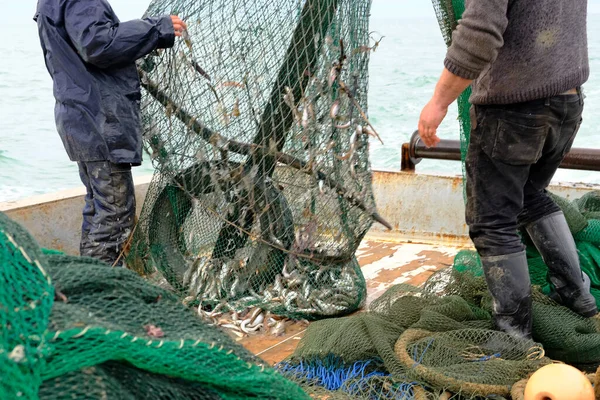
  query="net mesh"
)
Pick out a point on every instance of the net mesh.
point(258, 129)
point(422, 343)
point(437, 342)
point(76, 328)
point(25, 303)
point(448, 13)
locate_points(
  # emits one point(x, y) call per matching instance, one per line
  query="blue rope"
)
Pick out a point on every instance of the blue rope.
point(332, 374)
point(487, 358)
point(422, 354)
point(329, 373)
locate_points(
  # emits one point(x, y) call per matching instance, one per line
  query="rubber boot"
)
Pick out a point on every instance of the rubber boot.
point(554, 241)
point(507, 277)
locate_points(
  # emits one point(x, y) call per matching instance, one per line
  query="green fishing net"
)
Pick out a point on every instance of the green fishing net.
point(583, 218)
point(437, 341)
point(419, 343)
point(75, 328)
point(448, 13)
point(258, 128)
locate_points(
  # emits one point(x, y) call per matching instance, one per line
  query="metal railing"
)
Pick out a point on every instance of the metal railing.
point(415, 151)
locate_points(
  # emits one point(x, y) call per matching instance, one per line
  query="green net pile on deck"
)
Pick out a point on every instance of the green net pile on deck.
point(257, 125)
point(74, 328)
point(437, 340)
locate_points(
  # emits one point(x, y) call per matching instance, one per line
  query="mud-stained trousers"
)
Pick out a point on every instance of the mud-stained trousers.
point(109, 211)
point(513, 154)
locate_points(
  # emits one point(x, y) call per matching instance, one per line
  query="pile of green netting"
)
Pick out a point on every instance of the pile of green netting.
point(422, 343)
point(257, 125)
point(437, 342)
point(74, 328)
point(583, 217)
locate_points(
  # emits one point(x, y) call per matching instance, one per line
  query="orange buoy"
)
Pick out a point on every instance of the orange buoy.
point(559, 382)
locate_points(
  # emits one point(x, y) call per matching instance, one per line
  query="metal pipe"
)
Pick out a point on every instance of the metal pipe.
point(413, 152)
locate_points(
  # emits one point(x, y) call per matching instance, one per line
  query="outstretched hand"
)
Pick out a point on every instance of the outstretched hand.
point(178, 25)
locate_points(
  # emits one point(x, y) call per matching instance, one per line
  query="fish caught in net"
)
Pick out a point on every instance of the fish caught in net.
point(258, 128)
point(75, 328)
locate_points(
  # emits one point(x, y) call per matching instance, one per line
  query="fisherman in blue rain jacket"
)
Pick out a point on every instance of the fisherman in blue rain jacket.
point(91, 56)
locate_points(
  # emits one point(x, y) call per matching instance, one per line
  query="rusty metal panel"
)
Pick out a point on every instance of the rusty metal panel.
point(421, 208)
point(430, 208)
point(55, 219)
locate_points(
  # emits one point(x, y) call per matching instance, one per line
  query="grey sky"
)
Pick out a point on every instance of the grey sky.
point(127, 9)
point(381, 9)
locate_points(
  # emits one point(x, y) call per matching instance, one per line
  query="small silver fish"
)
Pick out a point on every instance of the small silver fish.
point(344, 126)
point(369, 131)
point(279, 328)
point(288, 99)
point(361, 49)
point(186, 38)
point(335, 109)
point(306, 289)
point(344, 156)
point(305, 117)
point(353, 138)
point(376, 45)
point(359, 130)
point(289, 299)
point(224, 114)
point(333, 75)
point(254, 315)
point(236, 108)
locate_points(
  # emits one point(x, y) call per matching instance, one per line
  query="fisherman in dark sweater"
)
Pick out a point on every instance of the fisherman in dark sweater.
point(526, 62)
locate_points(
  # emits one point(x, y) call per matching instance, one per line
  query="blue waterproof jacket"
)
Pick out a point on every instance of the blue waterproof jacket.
point(91, 57)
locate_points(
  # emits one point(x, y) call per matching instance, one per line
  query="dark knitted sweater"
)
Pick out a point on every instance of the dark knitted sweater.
point(520, 50)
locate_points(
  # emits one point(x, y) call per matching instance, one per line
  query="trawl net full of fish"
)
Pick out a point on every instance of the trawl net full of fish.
point(258, 128)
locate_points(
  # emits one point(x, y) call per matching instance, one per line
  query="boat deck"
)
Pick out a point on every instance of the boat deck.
point(384, 264)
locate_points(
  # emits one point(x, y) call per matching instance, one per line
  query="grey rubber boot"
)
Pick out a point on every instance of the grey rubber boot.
point(508, 280)
point(554, 241)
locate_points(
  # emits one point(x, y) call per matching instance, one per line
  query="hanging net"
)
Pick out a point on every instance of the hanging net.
point(75, 328)
point(448, 13)
point(258, 129)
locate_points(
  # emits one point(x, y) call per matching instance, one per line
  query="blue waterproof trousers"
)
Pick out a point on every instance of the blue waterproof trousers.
point(109, 211)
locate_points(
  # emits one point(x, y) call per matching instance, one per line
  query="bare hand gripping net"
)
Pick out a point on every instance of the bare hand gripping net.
point(257, 124)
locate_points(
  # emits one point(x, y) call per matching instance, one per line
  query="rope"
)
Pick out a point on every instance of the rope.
point(437, 379)
point(419, 393)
